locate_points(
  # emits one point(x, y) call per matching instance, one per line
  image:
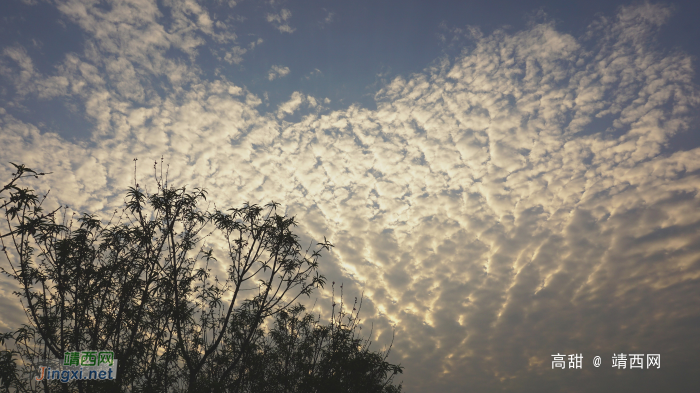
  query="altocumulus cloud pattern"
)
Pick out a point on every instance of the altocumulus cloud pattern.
point(514, 202)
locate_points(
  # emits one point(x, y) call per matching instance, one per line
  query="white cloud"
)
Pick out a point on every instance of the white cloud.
point(280, 21)
point(313, 73)
point(231, 3)
point(279, 18)
point(235, 55)
point(329, 18)
point(277, 71)
point(255, 43)
point(296, 100)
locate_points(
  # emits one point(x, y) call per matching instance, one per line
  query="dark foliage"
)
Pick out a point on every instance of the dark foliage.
point(141, 285)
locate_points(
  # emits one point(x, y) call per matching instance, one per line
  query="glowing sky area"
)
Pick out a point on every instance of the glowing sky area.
point(504, 182)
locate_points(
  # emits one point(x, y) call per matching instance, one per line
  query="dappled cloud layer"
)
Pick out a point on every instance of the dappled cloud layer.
point(512, 203)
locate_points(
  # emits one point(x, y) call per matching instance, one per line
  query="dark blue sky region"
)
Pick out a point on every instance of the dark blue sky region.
point(358, 47)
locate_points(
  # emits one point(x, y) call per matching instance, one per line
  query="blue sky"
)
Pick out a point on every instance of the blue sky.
point(504, 180)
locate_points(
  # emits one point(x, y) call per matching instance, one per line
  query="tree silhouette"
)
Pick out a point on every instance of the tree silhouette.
point(141, 285)
point(302, 355)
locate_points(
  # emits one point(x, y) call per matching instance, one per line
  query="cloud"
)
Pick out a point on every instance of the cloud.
point(277, 71)
point(497, 208)
point(137, 33)
point(231, 3)
point(236, 55)
point(295, 102)
point(16, 66)
point(280, 21)
point(328, 19)
point(255, 43)
point(292, 105)
point(313, 73)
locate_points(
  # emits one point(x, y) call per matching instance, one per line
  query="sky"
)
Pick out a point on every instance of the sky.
point(504, 181)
